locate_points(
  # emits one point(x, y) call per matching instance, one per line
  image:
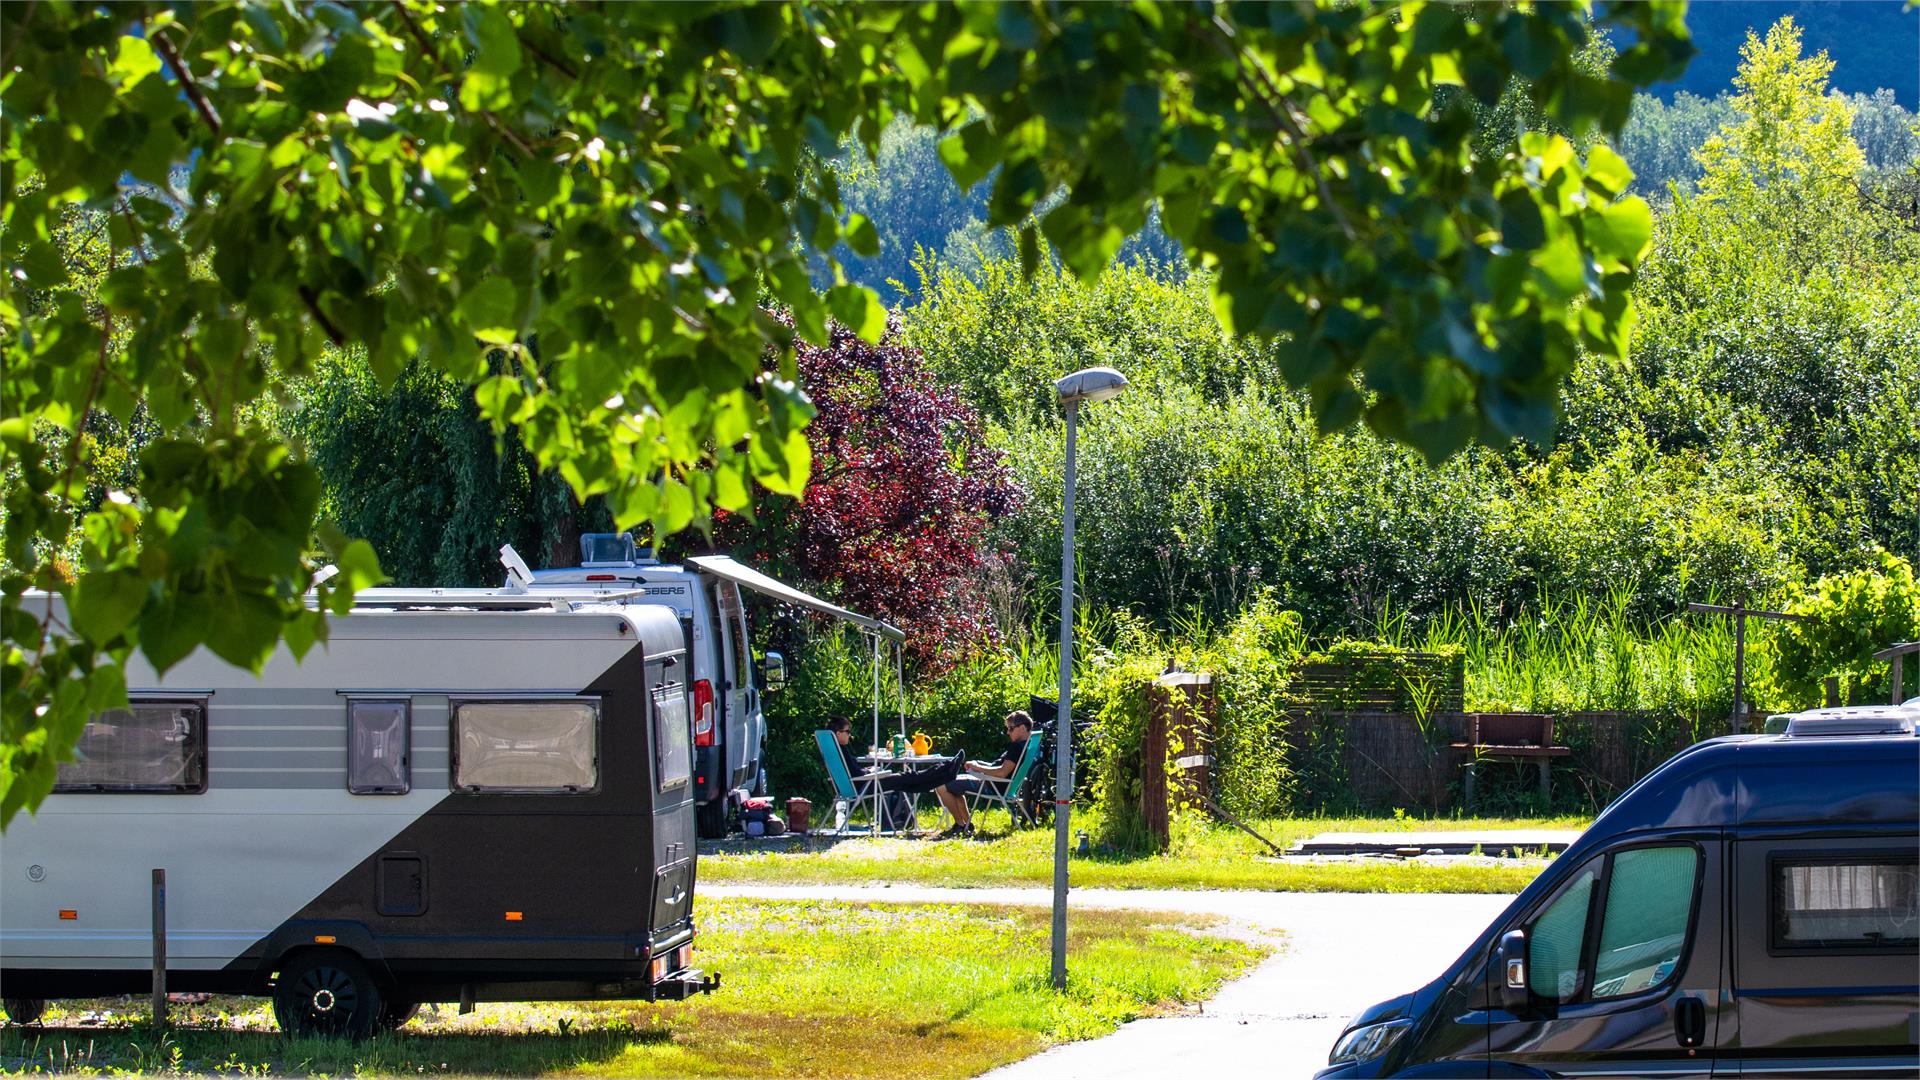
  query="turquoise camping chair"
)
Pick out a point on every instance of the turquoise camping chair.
point(848, 791)
point(1005, 791)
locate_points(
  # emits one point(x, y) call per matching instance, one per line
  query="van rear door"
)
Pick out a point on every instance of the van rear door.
point(673, 852)
point(1623, 967)
point(742, 742)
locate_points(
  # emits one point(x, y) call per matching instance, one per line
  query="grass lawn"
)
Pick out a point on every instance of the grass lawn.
point(1205, 857)
point(809, 990)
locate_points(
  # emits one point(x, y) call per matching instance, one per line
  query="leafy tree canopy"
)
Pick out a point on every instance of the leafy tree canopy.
point(1790, 130)
point(602, 199)
point(897, 516)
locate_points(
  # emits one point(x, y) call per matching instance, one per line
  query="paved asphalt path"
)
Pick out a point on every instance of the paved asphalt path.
point(1341, 953)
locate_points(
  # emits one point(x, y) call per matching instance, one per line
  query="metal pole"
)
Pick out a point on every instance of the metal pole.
point(1739, 664)
point(1063, 723)
point(160, 949)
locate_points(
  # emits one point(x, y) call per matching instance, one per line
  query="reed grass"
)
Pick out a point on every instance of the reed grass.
point(1583, 654)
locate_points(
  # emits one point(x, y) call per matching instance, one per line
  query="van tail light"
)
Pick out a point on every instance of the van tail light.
point(702, 713)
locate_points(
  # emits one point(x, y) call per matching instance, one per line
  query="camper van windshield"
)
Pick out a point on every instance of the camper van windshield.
point(606, 548)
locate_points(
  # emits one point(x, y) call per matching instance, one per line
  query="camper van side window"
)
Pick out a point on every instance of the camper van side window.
point(154, 747)
point(379, 747)
point(521, 747)
point(1861, 903)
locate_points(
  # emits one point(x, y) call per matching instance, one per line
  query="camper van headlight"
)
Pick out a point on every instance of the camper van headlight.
point(1367, 1043)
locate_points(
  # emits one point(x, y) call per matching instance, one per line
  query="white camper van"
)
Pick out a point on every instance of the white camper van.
point(463, 795)
point(729, 723)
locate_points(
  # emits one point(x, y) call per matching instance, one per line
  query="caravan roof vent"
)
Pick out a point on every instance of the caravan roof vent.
point(612, 549)
point(1859, 720)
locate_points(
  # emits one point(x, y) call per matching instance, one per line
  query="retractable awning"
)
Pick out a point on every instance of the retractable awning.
point(747, 577)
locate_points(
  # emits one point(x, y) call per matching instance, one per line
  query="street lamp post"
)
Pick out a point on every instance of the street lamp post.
point(1086, 385)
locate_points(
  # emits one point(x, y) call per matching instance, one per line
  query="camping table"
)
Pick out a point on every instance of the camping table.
point(904, 763)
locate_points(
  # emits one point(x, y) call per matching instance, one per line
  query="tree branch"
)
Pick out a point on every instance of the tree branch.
point(1283, 109)
point(426, 46)
point(313, 305)
point(192, 89)
point(546, 58)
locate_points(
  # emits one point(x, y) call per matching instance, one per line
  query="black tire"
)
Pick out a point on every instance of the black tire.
point(394, 1014)
point(327, 994)
point(25, 1011)
point(710, 819)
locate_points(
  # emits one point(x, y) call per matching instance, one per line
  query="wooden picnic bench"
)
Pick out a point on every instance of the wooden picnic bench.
point(1510, 737)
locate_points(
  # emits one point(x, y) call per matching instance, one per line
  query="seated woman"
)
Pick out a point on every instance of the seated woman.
point(913, 783)
point(953, 795)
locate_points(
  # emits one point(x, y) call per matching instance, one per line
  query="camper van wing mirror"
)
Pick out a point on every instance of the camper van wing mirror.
point(1511, 971)
point(773, 671)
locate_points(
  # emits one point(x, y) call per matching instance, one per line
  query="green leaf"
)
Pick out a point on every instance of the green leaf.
point(1560, 269)
point(172, 627)
point(1608, 170)
point(861, 236)
point(133, 60)
point(106, 602)
point(359, 569)
point(1621, 231)
point(488, 82)
point(244, 629)
point(1521, 226)
point(490, 311)
point(858, 310)
point(675, 508)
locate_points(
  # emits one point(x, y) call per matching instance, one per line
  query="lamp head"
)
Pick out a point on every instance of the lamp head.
point(1090, 384)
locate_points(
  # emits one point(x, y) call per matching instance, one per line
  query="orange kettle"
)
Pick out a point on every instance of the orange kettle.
point(922, 745)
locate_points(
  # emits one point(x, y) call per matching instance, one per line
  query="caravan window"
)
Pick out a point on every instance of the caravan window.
point(379, 745)
point(734, 615)
point(1862, 903)
point(672, 737)
point(151, 747)
point(526, 746)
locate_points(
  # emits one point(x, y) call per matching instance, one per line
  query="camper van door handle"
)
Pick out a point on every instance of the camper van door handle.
point(1690, 1021)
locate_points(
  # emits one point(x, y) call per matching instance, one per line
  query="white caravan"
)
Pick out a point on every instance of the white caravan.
point(730, 727)
point(463, 795)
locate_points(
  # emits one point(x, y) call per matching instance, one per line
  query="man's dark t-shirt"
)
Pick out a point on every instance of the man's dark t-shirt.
point(1015, 749)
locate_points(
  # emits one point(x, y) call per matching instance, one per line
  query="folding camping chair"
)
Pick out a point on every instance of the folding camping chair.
point(1005, 791)
point(850, 793)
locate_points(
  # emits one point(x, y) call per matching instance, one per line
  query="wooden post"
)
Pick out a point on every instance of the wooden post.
point(160, 950)
point(1833, 691)
point(1739, 666)
point(1897, 656)
point(1740, 613)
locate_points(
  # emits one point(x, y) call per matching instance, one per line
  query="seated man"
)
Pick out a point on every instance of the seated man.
point(953, 796)
point(911, 782)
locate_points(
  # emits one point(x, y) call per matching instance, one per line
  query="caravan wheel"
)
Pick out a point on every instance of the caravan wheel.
point(24, 1010)
point(326, 994)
